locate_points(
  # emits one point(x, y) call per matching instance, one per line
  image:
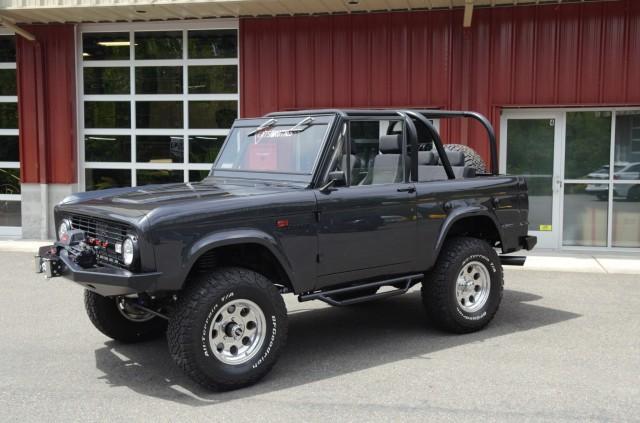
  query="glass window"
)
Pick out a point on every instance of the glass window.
point(213, 44)
point(9, 181)
point(106, 80)
point(213, 79)
point(626, 215)
point(107, 178)
point(8, 115)
point(146, 177)
point(585, 215)
point(107, 148)
point(158, 45)
point(159, 149)
point(587, 145)
point(8, 82)
point(9, 150)
point(212, 114)
point(530, 154)
point(105, 46)
point(276, 149)
point(197, 175)
point(627, 148)
point(107, 114)
point(373, 162)
point(159, 80)
point(7, 49)
point(10, 213)
point(204, 149)
point(159, 114)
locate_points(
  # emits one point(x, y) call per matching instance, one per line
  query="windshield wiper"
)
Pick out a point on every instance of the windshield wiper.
point(267, 124)
point(306, 122)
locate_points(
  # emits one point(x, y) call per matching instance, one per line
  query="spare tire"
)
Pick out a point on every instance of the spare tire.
point(471, 158)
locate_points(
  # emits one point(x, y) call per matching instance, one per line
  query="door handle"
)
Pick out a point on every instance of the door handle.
point(410, 190)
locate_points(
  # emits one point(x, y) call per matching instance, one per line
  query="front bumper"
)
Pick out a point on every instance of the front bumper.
point(104, 279)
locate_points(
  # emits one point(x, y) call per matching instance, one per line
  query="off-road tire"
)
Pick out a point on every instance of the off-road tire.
point(105, 316)
point(439, 287)
point(471, 158)
point(191, 325)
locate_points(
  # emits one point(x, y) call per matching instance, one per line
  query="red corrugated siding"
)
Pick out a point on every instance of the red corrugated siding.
point(46, 101)
point(547, 55)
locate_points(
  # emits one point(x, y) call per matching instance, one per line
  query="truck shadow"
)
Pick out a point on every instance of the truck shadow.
point(323, 343)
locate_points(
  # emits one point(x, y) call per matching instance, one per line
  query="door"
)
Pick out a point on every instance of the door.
point(367, 227)
point(530, 143)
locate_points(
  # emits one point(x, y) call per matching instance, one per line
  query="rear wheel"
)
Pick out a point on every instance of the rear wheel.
point(463, 291)
point(228, 329)
point(118, 320)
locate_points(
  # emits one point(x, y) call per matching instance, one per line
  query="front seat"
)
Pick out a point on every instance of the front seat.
point(387, 166)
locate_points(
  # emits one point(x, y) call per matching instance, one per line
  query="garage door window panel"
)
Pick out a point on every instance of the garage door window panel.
point(144, 95)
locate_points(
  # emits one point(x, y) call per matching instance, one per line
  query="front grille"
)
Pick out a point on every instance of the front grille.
point(105, 231)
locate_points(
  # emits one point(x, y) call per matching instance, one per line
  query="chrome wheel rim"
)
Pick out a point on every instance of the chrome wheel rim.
point(473, 286)
point(132, 313)
point(237, 332)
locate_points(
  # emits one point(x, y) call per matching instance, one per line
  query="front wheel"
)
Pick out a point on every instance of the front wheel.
point(115, 318)
point(228, 329)
point(463, 291)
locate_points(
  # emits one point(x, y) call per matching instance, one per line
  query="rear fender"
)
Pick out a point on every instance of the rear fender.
point(462, 213)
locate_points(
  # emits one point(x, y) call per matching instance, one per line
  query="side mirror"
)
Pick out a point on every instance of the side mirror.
point(336, 177)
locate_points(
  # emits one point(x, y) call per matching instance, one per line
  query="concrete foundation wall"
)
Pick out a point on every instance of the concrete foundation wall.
point(37, 217)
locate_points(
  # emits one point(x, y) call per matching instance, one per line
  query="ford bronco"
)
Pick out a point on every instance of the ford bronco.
point(341, 206)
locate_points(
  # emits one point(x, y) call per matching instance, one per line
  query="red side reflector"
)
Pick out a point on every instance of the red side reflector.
point(282, 223)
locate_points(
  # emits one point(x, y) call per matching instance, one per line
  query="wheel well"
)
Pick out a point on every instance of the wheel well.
point(481, 227)
point(251, 256)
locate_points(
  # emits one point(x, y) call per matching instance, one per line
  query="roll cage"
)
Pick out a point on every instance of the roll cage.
point(410, 117)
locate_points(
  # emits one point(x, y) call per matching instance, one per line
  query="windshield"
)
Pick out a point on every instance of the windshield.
point(286, 146)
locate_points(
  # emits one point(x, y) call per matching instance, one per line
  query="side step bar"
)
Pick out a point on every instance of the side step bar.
point(513, 260)
point(326, 296)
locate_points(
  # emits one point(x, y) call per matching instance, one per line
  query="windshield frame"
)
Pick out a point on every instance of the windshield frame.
point(284, 121)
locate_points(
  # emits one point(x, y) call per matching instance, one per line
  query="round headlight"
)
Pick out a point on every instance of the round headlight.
point(65, 226)
point(127, 251)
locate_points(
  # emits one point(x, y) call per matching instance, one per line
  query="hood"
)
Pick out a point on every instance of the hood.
point(132, 204)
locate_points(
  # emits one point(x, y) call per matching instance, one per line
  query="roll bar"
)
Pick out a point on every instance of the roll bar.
point(421, 115)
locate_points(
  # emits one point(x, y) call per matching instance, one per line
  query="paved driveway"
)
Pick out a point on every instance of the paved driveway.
point(564, 346)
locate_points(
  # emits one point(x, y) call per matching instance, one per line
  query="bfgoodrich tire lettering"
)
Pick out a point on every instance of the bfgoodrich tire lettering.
point(193, 326)
point(444, 303)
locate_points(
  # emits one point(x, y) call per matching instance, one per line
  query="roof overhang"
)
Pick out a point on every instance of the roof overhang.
point(49, 11)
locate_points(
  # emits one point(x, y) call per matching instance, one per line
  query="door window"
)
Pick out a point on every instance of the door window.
point(376, 152)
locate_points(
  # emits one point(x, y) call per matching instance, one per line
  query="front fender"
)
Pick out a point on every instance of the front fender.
point(235, 237)
point(462, 213)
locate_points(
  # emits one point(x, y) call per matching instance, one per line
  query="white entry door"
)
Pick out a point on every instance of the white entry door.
point(530, 145)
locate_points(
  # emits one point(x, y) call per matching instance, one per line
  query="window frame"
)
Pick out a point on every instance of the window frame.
point(10, 230)
point(347, 135)
point(132, 98)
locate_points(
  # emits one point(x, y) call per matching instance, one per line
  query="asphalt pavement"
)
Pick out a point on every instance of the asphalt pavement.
point(563, 347)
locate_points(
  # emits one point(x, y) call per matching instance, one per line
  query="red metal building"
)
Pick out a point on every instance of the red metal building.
point(560, 82)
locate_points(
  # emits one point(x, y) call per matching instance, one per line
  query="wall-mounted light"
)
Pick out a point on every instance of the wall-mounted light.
point(114, 43)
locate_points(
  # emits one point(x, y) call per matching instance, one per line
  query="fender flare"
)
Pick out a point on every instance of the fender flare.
point(235, 237)
point(463, 213)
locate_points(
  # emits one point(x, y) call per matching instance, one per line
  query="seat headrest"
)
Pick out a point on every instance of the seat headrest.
point(426, 158)
point(456, 158)
point(390, 144)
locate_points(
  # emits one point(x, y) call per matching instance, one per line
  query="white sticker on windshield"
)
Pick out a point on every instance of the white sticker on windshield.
point(276, 133)
point(226, 166)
